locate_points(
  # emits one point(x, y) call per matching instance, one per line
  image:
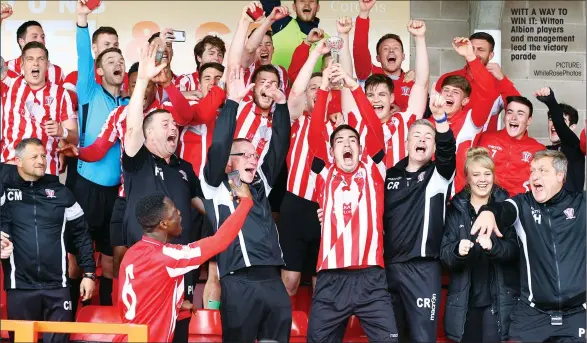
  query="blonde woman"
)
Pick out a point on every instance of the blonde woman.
point(484, 272)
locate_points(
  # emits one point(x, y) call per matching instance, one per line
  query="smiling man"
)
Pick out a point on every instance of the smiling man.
point(512, 148)
point(550, 223)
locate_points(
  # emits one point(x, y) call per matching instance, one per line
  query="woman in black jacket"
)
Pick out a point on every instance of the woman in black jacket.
point(484, 272)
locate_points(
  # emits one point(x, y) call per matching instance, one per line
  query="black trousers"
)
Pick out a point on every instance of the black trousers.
point(415, 288)
point(254, 305)
point(481, 326)
point(182, 327)
point(40, 305)
point(532, 325)
point(341, 293)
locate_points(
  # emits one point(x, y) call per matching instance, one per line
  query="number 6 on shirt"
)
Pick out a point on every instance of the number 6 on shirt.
point(131, 308)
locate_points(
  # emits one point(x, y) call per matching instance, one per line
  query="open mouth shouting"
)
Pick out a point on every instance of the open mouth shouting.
point(391, 59)
point(250, 172)
point(378, 109)
point(35, 73)
point(421, 150)
point(347, 156)
point(172, 138)
point(307, 11)
point(264, 56)
point(538, 186)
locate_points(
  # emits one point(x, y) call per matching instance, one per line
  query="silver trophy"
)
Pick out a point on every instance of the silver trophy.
point(335, 44)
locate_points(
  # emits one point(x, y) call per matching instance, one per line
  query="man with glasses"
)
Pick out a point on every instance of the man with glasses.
point(254, 304)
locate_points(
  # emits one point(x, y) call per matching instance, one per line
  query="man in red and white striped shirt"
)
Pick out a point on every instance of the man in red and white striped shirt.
point(210, 49)
point(299, 229)
point(258, 50)
point(380, 92)
point(351, 277)
point(34, 107)
point(196, 135)
point(31, 31)
point(390, 54)
point(164, 42)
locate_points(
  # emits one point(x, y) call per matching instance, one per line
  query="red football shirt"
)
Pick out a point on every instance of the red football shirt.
point(512, 159)
point(364, 67)
point(151, 275)
point(352, 202)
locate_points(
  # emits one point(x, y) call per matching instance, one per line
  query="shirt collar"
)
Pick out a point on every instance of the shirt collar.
point(173, 160)
point(152, 240)
point(306, 27)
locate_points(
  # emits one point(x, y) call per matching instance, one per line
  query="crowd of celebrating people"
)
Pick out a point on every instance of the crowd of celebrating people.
point(290, 154)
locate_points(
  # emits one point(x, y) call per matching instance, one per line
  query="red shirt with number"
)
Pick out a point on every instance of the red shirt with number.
point(151, 275)
point(512, 159)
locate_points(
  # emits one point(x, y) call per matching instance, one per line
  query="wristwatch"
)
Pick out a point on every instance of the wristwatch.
point(91, 276)
point(440, 121)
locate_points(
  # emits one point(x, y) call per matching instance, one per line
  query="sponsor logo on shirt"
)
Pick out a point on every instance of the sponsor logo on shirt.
point(183, 175)
point(569, 213)
point(50, 193)
point(406, 91)
point(49, 100)
point(526, 156)
point(421, 177)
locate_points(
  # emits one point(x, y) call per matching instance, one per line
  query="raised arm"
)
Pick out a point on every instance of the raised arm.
point(297, 97)
point(219, 151)
point(302, 52)
point(317, 132)
point(179, 258)
point(86, 81)
point(419, 94)
point(344, 25)
point(134, 138)
point(484, 97)
point(235, 53)
point(446, 148)
point(249, 53)
point(361, 53)
point(280, 137)
point(564, 132)
point(268, 6)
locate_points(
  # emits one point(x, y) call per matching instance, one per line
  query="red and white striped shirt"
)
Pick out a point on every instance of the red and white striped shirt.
point(284, 87)
point(300, 179)
point(188, 82)
point(160, 93)
point(395, 133)
point(254, 126)
point(55, 74)
point(352, 202)
point(24, 111)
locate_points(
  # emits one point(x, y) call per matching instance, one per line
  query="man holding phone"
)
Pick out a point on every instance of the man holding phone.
point(164, 41)
point(250, 267)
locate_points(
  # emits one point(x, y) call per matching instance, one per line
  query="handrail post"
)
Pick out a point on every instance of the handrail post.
point(24, 332)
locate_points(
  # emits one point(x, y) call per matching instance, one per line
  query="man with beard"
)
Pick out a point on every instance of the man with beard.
point(483, 44)
point(151, 166)
point(562, 121)
point(96, 184)
point(512, 148)
point(390, 54)
point(289, 33)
